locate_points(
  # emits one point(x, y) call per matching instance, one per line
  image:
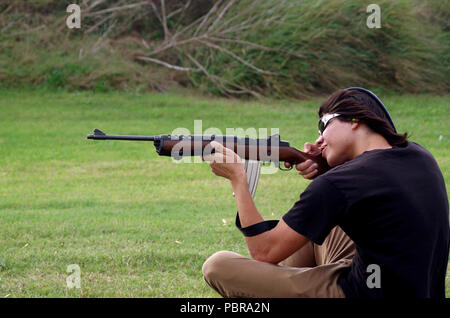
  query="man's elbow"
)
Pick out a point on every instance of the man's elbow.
point(263, 248)
point(264, 256)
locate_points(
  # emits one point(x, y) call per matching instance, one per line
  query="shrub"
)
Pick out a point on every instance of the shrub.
point(282, 48)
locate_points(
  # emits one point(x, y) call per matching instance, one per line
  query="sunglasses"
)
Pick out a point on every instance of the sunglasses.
point(324, 121)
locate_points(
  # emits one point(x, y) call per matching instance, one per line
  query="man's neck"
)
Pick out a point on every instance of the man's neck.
point(371, 141)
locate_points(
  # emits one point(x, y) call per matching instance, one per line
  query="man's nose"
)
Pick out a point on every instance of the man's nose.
point(319, 141)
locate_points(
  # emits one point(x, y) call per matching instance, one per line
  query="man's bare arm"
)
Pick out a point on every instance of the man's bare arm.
point(271, 246)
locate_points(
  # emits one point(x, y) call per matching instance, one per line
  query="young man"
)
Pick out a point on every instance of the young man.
point(375, 225)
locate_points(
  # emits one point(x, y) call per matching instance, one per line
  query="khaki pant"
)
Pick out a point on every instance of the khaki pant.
point(312, 271)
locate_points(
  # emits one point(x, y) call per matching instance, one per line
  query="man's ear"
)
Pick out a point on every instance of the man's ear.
point(355, 123)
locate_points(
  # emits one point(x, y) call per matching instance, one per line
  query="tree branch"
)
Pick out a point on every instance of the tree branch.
point(173, 67)
point(228, 52)
point(128, 6)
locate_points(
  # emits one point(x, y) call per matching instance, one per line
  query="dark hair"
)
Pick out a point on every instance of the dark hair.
point(359, 105)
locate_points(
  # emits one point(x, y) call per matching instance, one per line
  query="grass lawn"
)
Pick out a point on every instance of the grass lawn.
point(139, 225)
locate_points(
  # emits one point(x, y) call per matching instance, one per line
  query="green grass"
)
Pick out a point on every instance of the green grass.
point(139, 225)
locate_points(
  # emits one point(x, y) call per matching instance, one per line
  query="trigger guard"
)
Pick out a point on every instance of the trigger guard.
point(285, 169)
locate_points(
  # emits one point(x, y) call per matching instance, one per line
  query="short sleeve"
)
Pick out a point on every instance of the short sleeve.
point(319, 210)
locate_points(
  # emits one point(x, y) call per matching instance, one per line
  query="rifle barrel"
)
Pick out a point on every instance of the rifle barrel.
point(121, 137)
point(99, 135)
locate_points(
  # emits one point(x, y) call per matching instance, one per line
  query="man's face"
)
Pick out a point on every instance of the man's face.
point(336, 142)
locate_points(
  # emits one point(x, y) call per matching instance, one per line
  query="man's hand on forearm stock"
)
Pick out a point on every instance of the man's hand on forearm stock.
point(225, 163)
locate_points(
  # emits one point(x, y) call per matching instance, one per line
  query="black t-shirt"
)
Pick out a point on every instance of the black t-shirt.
point(393, 204)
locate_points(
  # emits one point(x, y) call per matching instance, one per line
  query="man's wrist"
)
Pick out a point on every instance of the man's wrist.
point(239, 179)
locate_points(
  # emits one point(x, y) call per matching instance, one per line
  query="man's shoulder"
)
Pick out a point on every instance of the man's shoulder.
point(374, 162)
point(380, 156)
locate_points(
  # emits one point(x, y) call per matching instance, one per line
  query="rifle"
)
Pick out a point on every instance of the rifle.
point(271, 149)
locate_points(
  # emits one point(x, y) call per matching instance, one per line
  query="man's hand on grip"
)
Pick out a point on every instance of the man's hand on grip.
point(308, 169)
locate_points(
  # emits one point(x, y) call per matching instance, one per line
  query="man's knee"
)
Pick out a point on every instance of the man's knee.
point(216, 264)
point(220, 271)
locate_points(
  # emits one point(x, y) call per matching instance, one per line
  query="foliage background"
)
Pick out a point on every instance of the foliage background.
point(235, 48)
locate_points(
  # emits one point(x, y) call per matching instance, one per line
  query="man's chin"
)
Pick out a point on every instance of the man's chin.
point(332, 165)
point(332, 162)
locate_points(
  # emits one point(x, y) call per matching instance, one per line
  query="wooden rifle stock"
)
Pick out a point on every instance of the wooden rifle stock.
point(271, 149)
